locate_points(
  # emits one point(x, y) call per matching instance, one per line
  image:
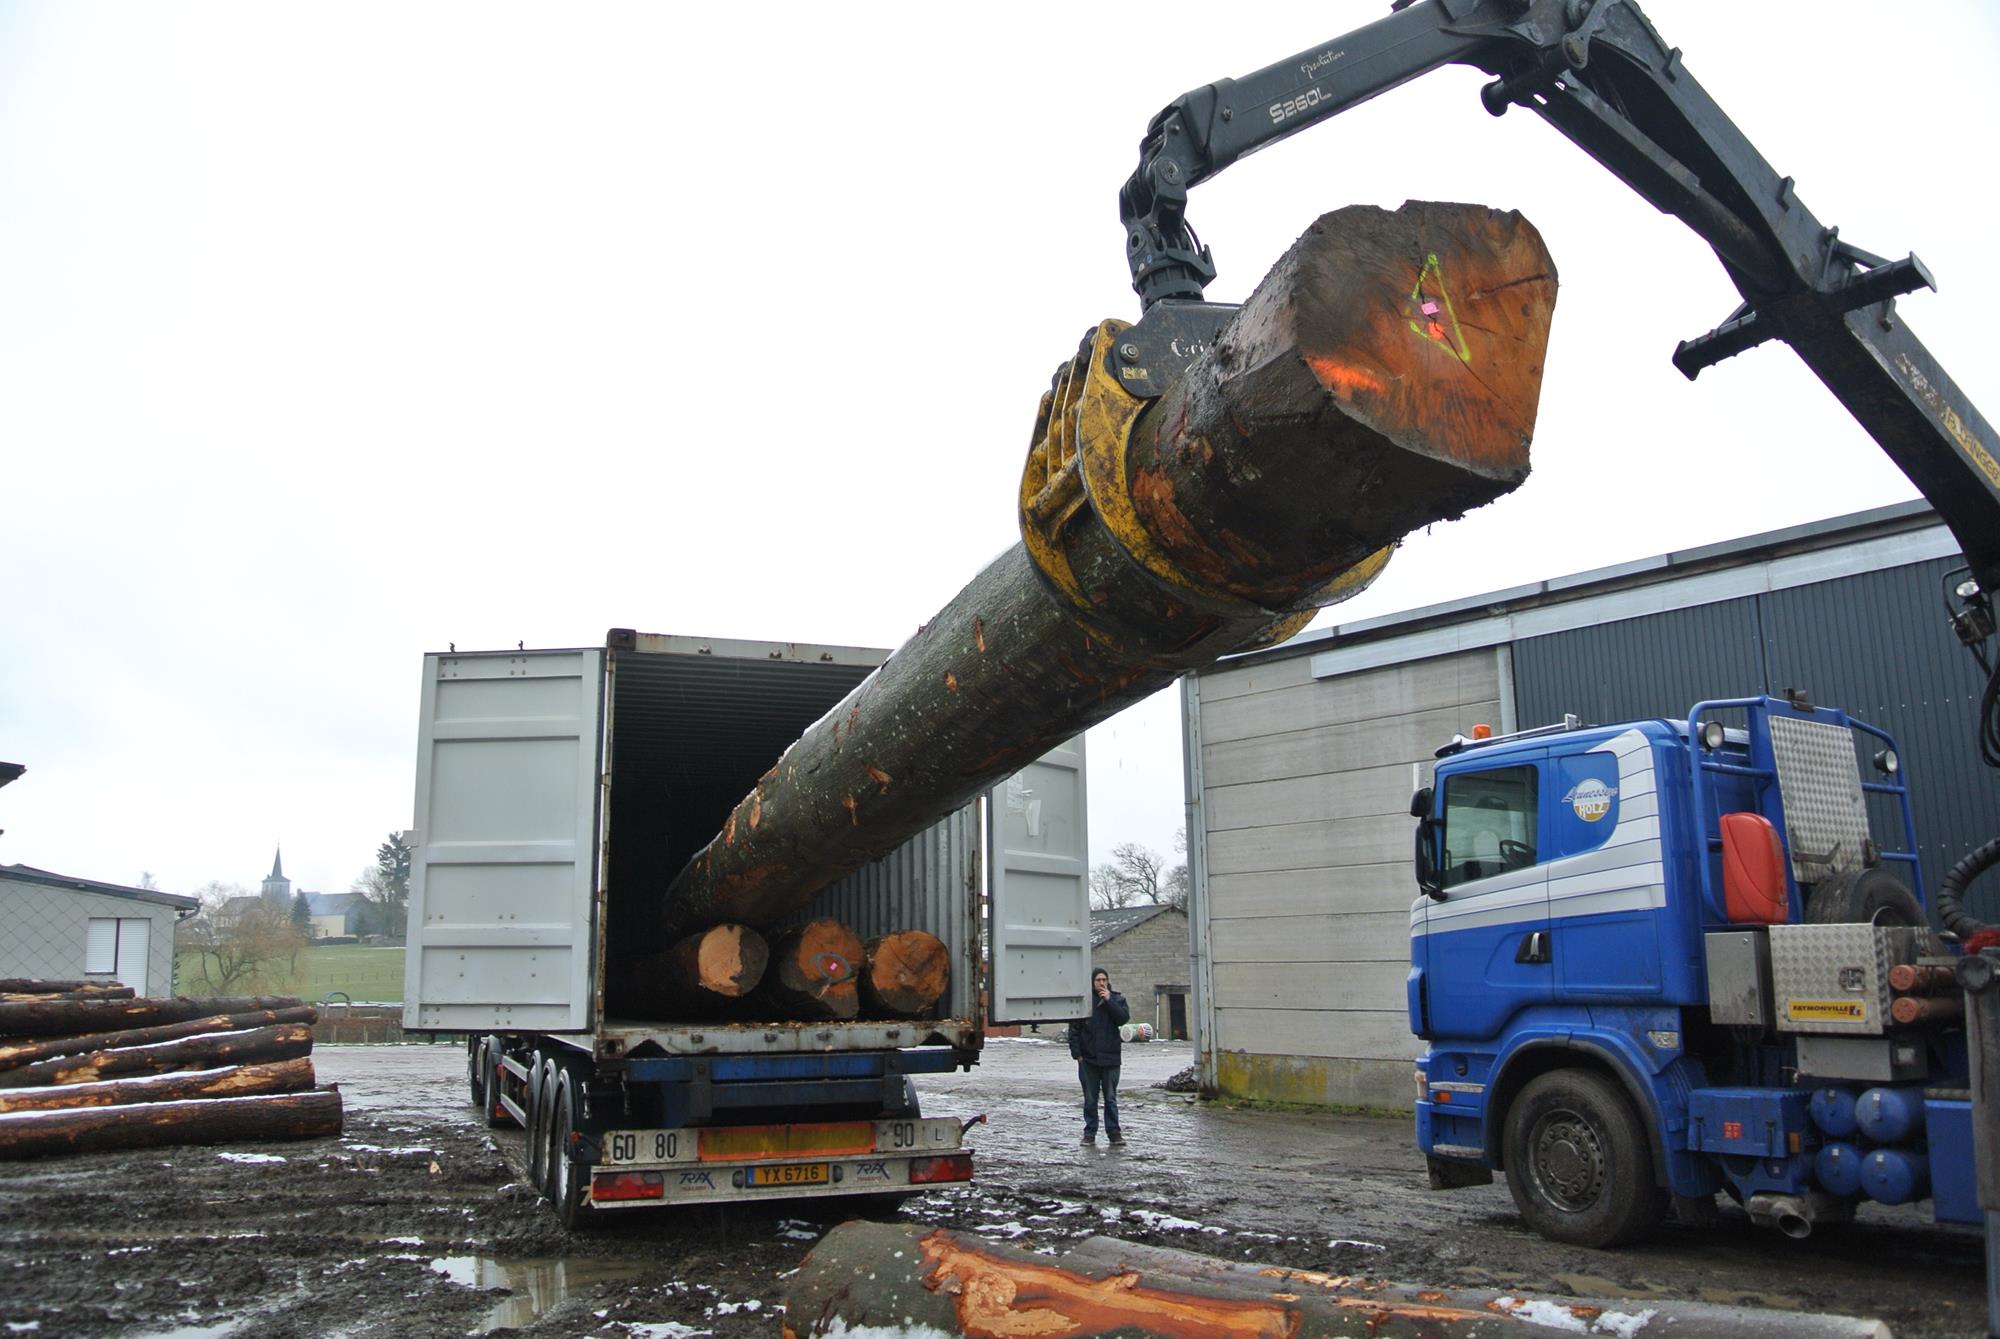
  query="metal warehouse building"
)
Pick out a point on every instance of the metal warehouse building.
point(56, 926)
point(1301, 759)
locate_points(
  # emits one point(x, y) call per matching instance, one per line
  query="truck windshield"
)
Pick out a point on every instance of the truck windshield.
point(1489, 823)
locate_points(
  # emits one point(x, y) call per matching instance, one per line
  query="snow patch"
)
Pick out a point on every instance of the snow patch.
point(665, 1329)
point(907, 1330)
point(1625, 1324)
point(249, 1157)
point(1541, 1313)
point(731, 1308)
point(23, 1326)
point(1339, 1242)
point(1166, 1222)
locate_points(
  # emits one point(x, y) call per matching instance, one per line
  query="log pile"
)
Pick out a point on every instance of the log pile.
point(817, 971)
point(84, 1067)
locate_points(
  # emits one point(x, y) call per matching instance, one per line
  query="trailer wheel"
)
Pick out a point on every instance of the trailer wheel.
point(475, 1067)
point(495, 1115)
point(568, 1182)
point(1577, 1161)
point(538, 1115)
point(1868, 896)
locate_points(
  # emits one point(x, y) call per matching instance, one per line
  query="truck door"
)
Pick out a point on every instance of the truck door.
point(1487, 950)
point(1038, 934)
point(502, 870)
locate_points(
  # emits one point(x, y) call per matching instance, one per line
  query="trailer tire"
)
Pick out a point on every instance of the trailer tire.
point(495, 1115)
point(475, 1068)
point(1577, 1161)
point(568, 1182)
point(1871, 896)
point(538, 1115)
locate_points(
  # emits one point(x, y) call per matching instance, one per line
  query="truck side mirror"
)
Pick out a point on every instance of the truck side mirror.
point(1420, 803)
point(1428, 882)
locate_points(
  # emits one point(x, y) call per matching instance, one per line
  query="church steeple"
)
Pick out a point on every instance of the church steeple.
point(278, 888)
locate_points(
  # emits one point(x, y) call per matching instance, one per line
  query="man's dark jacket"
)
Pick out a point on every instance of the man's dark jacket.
point(1096, 1038)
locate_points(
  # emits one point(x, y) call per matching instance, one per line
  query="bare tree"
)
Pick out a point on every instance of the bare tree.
point(1130, 878)
point(1175, 885)
point(223, 950)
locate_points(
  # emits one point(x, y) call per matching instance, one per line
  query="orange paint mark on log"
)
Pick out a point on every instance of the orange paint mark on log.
point(1009, 1300)
point(853, 818)
point(880, 777)
point(1344, 379)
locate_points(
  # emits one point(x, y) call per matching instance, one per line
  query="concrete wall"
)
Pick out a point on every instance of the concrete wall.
point(1147, 963)
point(44, 930)
point(1303, 866)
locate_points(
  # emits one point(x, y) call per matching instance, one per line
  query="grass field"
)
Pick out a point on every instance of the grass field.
point(367, 975)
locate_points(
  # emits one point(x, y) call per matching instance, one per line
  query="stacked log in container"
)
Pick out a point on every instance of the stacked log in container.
point(86, 1067)
point(819, 970)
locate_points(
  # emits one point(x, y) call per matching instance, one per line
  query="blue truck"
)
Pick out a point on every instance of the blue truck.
point(1659, 960)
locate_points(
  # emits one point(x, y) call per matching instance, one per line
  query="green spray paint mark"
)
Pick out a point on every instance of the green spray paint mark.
point(1431, 328)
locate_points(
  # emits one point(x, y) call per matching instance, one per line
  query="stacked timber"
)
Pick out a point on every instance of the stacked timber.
point(821, 970)
point(85, 1068)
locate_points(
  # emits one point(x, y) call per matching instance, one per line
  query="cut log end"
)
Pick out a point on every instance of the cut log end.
point(813, 971)
point(907, 973)
point(730, 959)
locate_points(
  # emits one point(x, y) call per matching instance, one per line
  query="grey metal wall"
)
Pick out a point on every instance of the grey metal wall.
point(1874, 644)
point(44, 930)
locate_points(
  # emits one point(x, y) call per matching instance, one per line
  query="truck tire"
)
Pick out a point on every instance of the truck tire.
point(1577, 1161)
point(538, 1115)
point(1868, 896)
point(475, 1068)
point(568, 1182)
point(490, 1093)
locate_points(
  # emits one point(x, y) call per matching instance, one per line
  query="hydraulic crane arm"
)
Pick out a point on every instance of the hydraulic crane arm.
point(1599, 73)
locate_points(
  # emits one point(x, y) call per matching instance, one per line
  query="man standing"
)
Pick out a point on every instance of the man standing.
point(1097, 1047)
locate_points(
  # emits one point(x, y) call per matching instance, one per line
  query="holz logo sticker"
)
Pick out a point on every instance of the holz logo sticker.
point(1591, 799)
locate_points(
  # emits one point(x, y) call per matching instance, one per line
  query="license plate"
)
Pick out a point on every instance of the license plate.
point(791, 1174)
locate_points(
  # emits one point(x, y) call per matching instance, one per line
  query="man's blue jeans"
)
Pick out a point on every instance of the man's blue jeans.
point(1098, 1079)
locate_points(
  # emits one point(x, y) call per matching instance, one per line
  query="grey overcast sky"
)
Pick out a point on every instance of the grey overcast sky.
point(333, 333)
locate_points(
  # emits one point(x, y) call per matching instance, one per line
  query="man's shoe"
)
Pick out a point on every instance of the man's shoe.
point(1116, 1137)
point(1090, 1139)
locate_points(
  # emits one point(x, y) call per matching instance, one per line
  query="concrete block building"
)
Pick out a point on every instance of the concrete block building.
point(1145, 949)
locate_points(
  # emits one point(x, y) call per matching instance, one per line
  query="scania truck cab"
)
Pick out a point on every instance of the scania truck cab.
point(1675, 958)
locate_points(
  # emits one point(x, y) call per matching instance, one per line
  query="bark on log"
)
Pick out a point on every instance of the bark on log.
point(1384, 376)
point(906, 975)
point(284, 1076)
point(706, 975)
point(69, 1018)
point(899, 1277)
point(14, 1054)
point(812, 972)
point(39, 985)
point(84, 992)
point(223, 1120)
point(283, 1041)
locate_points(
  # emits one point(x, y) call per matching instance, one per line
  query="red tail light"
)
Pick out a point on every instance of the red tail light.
point(947, 1167)
point(608, 1186)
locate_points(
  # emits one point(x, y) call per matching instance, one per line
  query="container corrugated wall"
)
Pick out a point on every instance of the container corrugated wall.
point(1874, 644)
point(930, 882)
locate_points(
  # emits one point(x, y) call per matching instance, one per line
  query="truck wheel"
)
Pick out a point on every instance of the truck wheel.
point(1577, 1161)
point(538, 1116)
point(490, 1097)
point(1866, 896)
point(568, 1182)
point(475, 1068)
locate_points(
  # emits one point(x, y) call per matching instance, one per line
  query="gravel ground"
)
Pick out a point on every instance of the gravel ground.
point(415, 1221)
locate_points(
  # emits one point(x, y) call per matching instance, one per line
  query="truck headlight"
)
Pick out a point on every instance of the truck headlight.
point(1711, 735)
point(1886, 762)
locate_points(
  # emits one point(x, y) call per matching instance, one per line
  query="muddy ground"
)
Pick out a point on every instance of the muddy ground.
point(415, 1221)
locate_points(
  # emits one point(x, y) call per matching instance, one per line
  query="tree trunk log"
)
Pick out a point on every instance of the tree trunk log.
point(812, 972)
point(1385, 375)
point(707, 975)
point(284, 1076)
point(907, 973)
point(283, 1041)
point(17, 1053)
point(69, 1018)
point(38, 985)
point(223, 1120)
point(82, 992)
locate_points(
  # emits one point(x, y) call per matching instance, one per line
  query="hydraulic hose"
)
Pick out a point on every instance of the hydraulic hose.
point(1950, 910)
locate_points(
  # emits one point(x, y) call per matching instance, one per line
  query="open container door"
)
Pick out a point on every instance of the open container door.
point(501, 871)
point(1039, 917)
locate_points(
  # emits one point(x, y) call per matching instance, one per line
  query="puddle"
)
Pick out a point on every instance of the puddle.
point(533, 1285)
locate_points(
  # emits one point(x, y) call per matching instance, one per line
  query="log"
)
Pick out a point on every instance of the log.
point(39, 985)
point(17, 1053)
point(284, 1076)
point(903, 1278)
point(283, 1041)
point(70, 1018)
point(706, 975)
point(222, 1120)
point(1385, 375)
point(812, 972)
point(86, 992)
point(907, 973)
